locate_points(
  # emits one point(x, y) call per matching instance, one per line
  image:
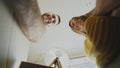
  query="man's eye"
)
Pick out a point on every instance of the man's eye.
point(53, 16)
point(53, 21)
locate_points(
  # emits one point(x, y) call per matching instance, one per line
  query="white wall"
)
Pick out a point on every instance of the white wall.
point(61, 36)
point(13, 44)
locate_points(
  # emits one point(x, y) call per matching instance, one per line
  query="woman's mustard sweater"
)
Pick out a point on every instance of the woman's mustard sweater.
point(102, 39)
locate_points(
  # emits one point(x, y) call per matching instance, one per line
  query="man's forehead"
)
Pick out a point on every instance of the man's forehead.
point(49, 14)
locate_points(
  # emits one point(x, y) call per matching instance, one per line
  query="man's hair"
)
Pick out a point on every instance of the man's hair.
point(59, 19)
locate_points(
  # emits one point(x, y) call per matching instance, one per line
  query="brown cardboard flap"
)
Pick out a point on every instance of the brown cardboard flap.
point(32, 65)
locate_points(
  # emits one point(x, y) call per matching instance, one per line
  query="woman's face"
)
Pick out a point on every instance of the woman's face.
point(77, 24)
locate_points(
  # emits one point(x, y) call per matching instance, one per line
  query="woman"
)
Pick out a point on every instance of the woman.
point(101, 27)
point(76, 23)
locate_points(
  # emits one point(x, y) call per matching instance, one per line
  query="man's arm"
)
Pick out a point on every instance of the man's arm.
point(106, 7)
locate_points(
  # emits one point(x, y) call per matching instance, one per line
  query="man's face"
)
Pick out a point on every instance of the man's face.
point(77, 24)
point(51, 19)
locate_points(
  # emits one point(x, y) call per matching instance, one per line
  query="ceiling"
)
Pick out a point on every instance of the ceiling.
point(61, 36)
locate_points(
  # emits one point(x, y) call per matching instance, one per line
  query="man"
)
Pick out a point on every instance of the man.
point(51, 19)
point(101, 27)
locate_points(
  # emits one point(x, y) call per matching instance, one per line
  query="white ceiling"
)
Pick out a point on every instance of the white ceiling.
point(61, 36)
